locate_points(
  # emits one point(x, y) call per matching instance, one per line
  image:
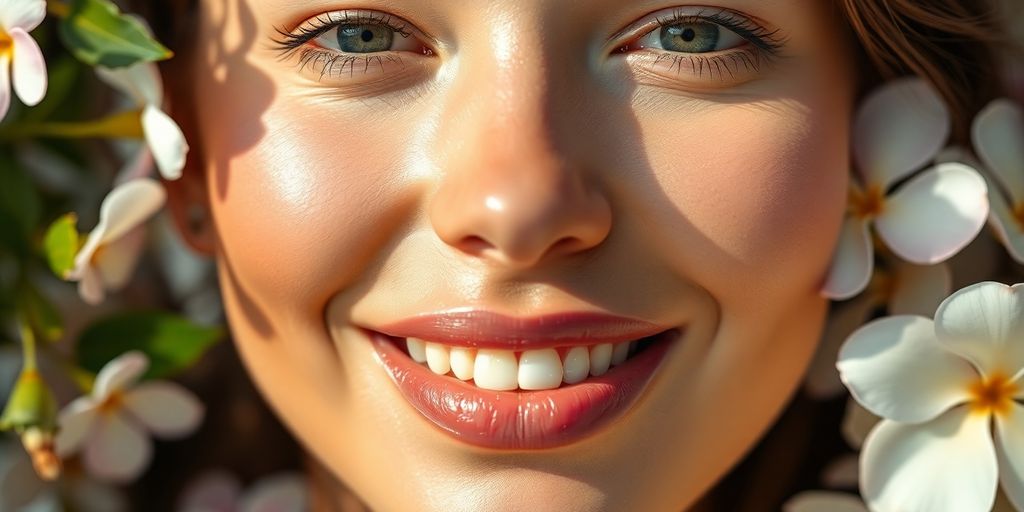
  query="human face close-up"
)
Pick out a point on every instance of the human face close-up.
point(514, 177)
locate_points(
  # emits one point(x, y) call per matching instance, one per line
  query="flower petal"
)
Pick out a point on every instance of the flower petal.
point(824, 501)
point(29, 68)
point(935, 214)
point(898, 129)
point(1006, 224)
point(945, 465)
point(76, 422)
point(20, 488)
point(90, 286)
point(213, 490)
point(1010, 438)
point(139, 166)
point(23, 14)
point(984, 323)
point(998, 136)
point(857, 424)
point(166, 408)
point(5, 85)
point(896, 368)
point(919, 289)
point(280, 493)
point(166, 141)
point(852, 262)
point(117, 451)
point(822, 381)
point(120, 373)
point(116, 263)
point(141, 82)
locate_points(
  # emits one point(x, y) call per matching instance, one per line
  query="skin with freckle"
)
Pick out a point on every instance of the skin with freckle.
point(523, 166)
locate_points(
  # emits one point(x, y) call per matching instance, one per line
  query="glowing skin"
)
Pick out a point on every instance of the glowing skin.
point(525, 167)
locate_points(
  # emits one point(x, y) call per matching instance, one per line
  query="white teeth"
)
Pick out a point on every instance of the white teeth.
point(417, 349)
point(620, 353)
point(437, 358)
point(600, 359)
point(496, 370)
point(462, 361)
point(540, 369)
point(576, 365)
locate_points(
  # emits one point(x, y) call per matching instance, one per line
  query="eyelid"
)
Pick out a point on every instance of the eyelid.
point(765, 37)
point(311, 28)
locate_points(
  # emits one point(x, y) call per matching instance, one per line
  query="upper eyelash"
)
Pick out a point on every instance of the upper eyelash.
point(289, 42)
point(767, 40)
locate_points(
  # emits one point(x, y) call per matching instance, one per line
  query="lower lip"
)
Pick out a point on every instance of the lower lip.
point(521, 420)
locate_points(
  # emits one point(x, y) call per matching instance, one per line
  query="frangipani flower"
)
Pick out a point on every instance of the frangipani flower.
point(111, 423)
point(21, 60)
point(998, 135)
point(165, 142)
point(927, 218)
point(219, 491)
point(109, 255)
point(939, 386)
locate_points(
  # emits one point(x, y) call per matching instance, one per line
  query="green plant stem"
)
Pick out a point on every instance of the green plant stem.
point(28, 343)
point(126, 124)
point(57, 8)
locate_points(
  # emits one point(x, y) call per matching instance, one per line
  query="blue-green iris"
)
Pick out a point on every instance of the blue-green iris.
point(365, 38)
point(690, 37)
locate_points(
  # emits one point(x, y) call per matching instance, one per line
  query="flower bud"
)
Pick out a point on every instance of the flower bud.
point(31, 404)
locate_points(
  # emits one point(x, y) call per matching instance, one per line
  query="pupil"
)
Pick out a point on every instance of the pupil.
point(367, 36)
point(688, 35)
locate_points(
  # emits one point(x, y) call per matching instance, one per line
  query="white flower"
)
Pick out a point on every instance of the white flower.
point(110, 254)
point(929, 216)
point(824, 501)
point(219, 491)
point(164, 140)
point(998, 136)
point(111, 423)
point(938, 387)
point(21, 60)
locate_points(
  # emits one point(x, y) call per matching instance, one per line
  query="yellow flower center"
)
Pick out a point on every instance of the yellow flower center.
point(868, 203)
point(1018, 215)
point(993, 395)
point(6, 43)
point(112, 404)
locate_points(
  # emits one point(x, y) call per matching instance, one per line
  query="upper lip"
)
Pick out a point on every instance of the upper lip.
point(484, 329)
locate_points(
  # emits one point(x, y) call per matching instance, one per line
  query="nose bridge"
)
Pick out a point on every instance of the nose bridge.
point(509, 191)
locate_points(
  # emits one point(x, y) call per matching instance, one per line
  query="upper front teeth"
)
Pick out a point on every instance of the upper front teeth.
point(501, 370)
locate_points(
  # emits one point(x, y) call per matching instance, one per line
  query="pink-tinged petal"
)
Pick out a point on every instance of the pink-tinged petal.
point(896, 368)
point(23, 14)
point(29, 68)
point(898, 129)
point(118, 451)
point(90, 285)
point(935, 214)
point(842, 473)
point(919, 289)
point(1006, 224)
point(281, 493)
point(1010, 440)
point(212, 491)
point(119, 374)
point(945, 465)
point(165, 408)
point(116, 263)
point(852, 262)
point(998, 136)
point(822, 381)
point(141, 82)
point(76, 421)
point(166, 141)
point(824, 501)
point(984, 323)
point(5, 84)
point(139, 166)
point(857, 424)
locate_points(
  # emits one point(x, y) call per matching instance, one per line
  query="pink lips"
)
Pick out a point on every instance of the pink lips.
point(520, 419)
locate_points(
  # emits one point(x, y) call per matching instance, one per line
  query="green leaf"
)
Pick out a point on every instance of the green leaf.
point(61, 244)
point(98, 34)
point(40, 312)
point(18, 198)
point(172, 343)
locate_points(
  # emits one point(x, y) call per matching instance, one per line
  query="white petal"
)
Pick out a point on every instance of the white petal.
point(120, 373)
point(282, 493)
point(140, 81)
point(984, 322)
point(935, 214)
point(945, 465)
point(896, 368)
point(90, 285)
point(166, 141)
point(214, 490)
point(29, 68)
point(919, 289)
point(852, 261)
point(822, 381)
point(76, 422)
point(997, 133)
point(165, 408)
point(5, 84)
point(1004, 221)
point(116, 263)
point(23, 14)
point(823, 501)
point(857, 423)
point(898, 129)
point(117, 451)
point(1010, 439)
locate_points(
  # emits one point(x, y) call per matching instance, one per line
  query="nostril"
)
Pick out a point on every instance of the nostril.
point(475, 245)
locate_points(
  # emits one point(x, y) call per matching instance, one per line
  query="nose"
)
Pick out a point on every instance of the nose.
point(508, 193)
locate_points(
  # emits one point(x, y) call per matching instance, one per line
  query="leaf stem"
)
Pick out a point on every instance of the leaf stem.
point(127, 124)
point(58, 8)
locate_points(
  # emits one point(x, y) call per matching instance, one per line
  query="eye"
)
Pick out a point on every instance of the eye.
point(691, 37)
point(372, 36)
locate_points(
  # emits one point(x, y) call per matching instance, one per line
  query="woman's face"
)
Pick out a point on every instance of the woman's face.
point(515, 180)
